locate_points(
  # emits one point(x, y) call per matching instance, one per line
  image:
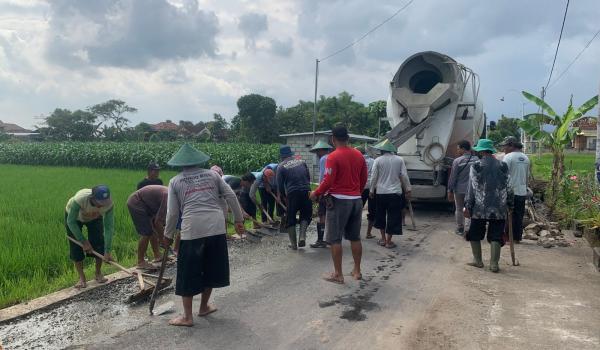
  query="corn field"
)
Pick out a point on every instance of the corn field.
point(234, 158)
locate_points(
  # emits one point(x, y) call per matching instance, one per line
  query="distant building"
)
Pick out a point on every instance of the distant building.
point(17, 131)
point(301, 143)
point(585, 139)
point(165, 126)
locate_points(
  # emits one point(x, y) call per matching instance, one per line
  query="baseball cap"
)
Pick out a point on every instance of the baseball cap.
point(101, 194)
point(509, 141)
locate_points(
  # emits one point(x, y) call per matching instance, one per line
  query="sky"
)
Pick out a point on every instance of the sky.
point(188, 59)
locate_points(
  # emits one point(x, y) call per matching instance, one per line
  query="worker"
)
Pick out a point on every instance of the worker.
point(152, 178)
point(293, 182)
point(345, 178)
point(148, 209)
point(202, 262)
point(265, 185)
point(321, 149)
point(518, 169)
point(487, 201)
point(248, 206)
point(389, 176)
point(366, 199)
point(92, 208)
point(458, 181)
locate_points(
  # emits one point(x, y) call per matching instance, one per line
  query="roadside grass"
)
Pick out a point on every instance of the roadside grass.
point(579, 163)
point(34, 254)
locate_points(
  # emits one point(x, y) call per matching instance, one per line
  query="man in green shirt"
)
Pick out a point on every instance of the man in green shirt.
point(92, 208)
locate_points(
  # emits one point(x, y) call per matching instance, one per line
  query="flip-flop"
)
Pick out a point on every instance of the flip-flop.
point(80, 286)
point(391, 245)
point(369, 236)
point(214, 309)
point(330, 278)
point(101, 280)
point(381, 242)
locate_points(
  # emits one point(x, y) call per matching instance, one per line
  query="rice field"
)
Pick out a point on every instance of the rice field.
point(580, 163)
point(34, 254)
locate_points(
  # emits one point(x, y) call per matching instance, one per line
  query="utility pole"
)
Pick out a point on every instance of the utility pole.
point(598, 140)
point(314, 135)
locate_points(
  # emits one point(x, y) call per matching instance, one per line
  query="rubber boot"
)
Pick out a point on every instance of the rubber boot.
point(302, 237)
point(292, 234)
point(494, 256)
point(477, 259)
point(320, 232)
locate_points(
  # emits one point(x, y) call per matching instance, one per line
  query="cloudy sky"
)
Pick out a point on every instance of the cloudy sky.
point(188, 59)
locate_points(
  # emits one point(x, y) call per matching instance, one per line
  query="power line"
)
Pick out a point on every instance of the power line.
point(367, 33)
point(575, 59)
point(558, 44)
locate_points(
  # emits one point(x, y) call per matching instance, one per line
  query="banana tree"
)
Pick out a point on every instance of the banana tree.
point(557, 139)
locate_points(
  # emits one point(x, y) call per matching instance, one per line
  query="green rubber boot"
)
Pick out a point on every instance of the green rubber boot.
point(302, 238)
point(494, 256)
point(292, 234)
point(477, 259)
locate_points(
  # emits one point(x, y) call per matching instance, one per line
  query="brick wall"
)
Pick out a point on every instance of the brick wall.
point(301, 145)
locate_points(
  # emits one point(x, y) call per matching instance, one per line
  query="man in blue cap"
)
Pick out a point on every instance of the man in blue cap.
point(487, 203)
point(293, 182)
point(92, 208)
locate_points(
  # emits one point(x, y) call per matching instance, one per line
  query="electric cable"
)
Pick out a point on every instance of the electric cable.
point(558, 44)
point(575, 59)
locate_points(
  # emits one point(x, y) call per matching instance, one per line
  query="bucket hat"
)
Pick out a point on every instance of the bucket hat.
point(285, 151)
point(386, 146)
point(188, 156)
point(320, 145)
point(485, 145)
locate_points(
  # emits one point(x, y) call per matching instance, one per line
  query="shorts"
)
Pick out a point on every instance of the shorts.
point(202, 263)
point(371, 205)
point(322, 207)
point(477, 230)
point(247, 204)
point(388, 216)
point(298, 201)
point(141, 220)
point(343, 219)
point(95, 232)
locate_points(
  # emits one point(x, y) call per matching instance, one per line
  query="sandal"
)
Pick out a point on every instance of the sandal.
point(146, 266)
point(381, 242)
point(369, 236)
point(391, 245)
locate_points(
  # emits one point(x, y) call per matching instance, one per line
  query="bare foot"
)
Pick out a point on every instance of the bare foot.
point(181, 321)
point(80, 285)
point(357, 275)
point(101, 279)
point(332, 277)
point(205, 312)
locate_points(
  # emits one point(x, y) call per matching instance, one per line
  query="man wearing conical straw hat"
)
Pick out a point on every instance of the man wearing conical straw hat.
point(202, 262)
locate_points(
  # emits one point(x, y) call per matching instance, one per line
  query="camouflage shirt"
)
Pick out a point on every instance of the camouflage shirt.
point(488, 195)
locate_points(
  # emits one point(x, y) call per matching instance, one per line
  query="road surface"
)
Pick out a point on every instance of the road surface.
point(420, 295)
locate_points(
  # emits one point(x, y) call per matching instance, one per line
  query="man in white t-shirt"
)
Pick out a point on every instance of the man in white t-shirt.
point(518, 168)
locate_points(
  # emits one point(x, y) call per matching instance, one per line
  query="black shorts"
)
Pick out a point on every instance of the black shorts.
point(95, 236)
point(477, 230)
point(388, 216)
point(371, 205)
point(247, 204)
point(298, 201)
point(202, 263)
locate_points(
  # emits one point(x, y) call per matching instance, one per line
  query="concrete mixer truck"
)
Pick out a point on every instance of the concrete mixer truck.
point(433, 104)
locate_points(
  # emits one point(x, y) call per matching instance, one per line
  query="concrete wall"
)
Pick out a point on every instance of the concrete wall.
point(301, 145)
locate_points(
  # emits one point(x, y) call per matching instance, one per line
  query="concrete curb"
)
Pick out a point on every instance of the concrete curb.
point(20, 310)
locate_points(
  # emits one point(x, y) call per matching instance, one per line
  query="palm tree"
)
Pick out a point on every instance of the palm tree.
point(557, 139)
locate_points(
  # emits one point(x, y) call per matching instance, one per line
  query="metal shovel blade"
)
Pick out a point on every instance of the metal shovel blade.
point(165, 308)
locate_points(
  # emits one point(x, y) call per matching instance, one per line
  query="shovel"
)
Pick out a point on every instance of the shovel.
point(515, 261)
point(412, 215)
point(169, 305)
point(144, 292)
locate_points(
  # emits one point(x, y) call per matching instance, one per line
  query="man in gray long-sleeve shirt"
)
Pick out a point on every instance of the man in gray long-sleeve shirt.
point(458, 181)
point(202, 262)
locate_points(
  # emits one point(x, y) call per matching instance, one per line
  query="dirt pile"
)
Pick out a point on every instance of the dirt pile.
point(547, 235)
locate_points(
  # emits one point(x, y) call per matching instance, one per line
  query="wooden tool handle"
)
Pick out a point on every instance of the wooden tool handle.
point(98, 255)
point(163, 264)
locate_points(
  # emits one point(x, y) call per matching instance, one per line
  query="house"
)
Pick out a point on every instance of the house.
point(585, 139)
point(301, 143)
point(165, 126)
point(15, 130)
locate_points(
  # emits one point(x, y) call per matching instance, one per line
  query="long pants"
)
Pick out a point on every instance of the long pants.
point(517, 217)
point(459, 203)
point(268, 202)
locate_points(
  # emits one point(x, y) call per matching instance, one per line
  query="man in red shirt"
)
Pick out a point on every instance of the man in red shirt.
point(345, 178)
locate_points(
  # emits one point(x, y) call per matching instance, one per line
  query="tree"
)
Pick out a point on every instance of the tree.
point(255, 121)
point(505, 126)
point(377, 118)
point(557, 139)
point(113, 111)
point(219, 128)
point(64, 125)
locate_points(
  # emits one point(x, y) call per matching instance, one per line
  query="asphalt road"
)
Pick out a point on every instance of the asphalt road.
point(420, 295)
